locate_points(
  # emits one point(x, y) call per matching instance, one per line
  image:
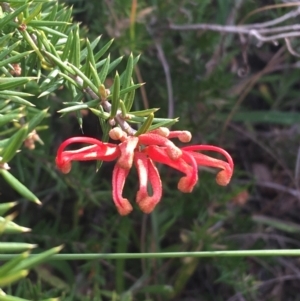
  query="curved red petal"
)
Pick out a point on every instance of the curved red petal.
point(141, 164)
point(118, 181)
point(148, 203)
point(147, 171)
point(97, 151)
point(224, 176)
point(187, 184)
point(203, 147)
point(159, 154)
point(154, 139)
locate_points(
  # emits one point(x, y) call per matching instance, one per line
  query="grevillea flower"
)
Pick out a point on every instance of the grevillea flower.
point(142, 151)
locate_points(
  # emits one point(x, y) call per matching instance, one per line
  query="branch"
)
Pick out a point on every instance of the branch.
point(263, 32)
point(289, 15)
point(107, 108)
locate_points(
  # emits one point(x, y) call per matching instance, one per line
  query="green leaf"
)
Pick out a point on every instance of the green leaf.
point(8, 50)
point(276, 223)
point(146, 125)
point(114, 64)
point(115, 103)
point(9, 279)
point(9, 227)
point(13, 93)
point(30, 262)
point(92, 65)
point(126, 78)
point(15, 58)
point(33, 13)
point(41, 23)
point(15, 98)
point(7, 267)
point(4, 207)
point(157, 289)
point(95, 75)
point(13, 15)
point(52, 31)
point(86, 80)
point(75, 49)
point(123, 108)
point(104, 71)
point(129, 98)
point(67, 46)
point(85, 51)
point(101, 52)
point(4, 105)
point(14, 143)
point(11, 298)
point(62, 65)
point(51, 77)
point(32, 43)
point(54, 87)
point(37, 119)
point(129, 89)
point(100, 114)
point(77, 107)
point(6, 38)
point(8, 83)
point(14, 247)
point(70, 80)
point(143, 113)
point(19, 187)
point(165, 123)
point(269, 117)
point(4, 119)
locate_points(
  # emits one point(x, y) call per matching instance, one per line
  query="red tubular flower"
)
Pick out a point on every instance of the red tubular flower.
point(142, 151)
point(97, 151)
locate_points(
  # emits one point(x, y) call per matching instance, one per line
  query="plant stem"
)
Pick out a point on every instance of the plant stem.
point(93, 256)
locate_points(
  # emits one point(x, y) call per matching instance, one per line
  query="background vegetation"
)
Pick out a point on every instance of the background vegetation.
point(241, 97)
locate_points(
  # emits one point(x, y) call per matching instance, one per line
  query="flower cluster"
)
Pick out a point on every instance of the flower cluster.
point(142, 151)
point(32, 137)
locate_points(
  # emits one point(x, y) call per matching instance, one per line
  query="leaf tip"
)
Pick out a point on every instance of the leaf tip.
point(37, 201)
point(25, 229)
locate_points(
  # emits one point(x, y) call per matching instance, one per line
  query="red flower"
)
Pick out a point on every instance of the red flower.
point(141, 152)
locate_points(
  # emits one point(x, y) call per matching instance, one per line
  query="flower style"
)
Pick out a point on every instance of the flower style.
point(142, 151)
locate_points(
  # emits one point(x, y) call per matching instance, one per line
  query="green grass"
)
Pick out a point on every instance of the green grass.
point(218, 243)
